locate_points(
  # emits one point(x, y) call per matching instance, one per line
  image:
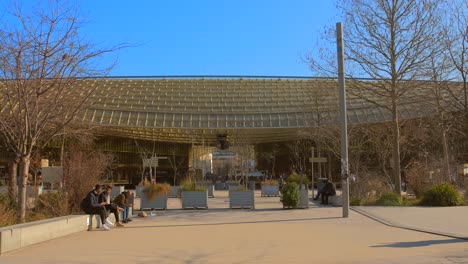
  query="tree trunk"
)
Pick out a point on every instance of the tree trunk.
point(396, 150)
point(446, 157)
point(13, 178)
point(23, 183)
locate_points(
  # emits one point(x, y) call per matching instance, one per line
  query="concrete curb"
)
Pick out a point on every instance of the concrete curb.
point(411, 228)
point(23, 235)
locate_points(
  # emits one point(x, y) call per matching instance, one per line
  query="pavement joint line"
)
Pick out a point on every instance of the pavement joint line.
point(395, 225)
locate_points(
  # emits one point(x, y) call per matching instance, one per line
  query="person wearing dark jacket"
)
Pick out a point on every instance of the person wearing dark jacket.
point(110, 207)
point(91, 205)
point(328, 189)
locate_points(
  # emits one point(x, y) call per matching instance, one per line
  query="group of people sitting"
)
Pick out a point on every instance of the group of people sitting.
point(98, 201)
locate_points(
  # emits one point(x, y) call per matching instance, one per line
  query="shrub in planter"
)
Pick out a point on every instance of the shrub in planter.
point(270, 182)
point(156, 189)
point(193, 195)
point(296, 178)
point(189, 186)
point(442, 195)
point(290, 195)
point(389, 199)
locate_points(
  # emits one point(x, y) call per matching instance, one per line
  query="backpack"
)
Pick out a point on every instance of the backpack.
point(84, 205)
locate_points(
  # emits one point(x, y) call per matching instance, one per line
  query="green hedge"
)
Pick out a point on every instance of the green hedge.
point(296, 178)
point(442, 195)
point(389, 199)
point(290, 195)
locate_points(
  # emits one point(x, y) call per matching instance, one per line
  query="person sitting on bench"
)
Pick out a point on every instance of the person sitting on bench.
point(110, 207)
point(328, 189)
point(91, 205)
point(121, 201)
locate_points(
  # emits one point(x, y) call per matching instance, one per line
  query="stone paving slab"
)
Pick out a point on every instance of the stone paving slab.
point(265, 235)
point(449, 221)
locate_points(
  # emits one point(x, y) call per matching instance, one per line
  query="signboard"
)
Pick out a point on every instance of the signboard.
point(223, 154)
point(44, 163)
point(52, 174)
point(317, 159)
point(152, 162)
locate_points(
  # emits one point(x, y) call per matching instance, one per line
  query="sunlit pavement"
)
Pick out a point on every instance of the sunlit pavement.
point(267, 234)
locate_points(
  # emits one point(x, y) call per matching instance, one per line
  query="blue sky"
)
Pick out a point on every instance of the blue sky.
point(208, 37)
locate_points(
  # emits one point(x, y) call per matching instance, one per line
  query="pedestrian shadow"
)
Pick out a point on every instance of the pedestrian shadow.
point(235, 223)
point(424, 243)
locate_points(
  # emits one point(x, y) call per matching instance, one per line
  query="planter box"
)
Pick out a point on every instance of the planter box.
point(270, 190)
point(158, 202)
point(233, 187)
point(304, 201)
point(116, 190)
point(209, 187)
point(335, 200)
point(194, 199)
point(174, 192)
point(241, 199)
point(139, 191)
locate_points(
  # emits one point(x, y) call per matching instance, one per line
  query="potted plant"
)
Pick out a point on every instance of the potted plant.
point(193, 195)
point(209, 187)
point(292, 197)
point(155, 195)
point(241, 198)
point(302, 188)
point(270, 188)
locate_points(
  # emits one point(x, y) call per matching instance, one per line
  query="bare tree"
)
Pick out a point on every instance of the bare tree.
point(174, 162)
point(391, 42)
point(456, 43)
point(83, 169)
point(242, 146)
point(144, 153)
point(43, 59)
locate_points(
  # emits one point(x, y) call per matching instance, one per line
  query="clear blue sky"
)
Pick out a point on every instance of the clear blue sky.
point(197, 37)
point(215, 37)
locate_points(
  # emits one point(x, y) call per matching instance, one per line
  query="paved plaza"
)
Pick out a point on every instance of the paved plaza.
point(267, 234)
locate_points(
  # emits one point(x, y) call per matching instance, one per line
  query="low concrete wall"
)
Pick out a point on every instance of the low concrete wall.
point(23, 235)
point(336, 200)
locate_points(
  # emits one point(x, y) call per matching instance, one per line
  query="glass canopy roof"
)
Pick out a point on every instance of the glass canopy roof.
point(262, 109)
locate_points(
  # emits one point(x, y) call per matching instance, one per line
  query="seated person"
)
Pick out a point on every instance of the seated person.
point(121, 201)
point(91, 205)
point(328, 189)
point(110, 207)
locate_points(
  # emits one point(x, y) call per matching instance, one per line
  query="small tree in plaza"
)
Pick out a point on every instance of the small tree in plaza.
point(42, 59)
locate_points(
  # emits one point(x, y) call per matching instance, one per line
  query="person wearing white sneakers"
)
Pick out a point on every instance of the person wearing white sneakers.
point(110, 207)
point(91, 205)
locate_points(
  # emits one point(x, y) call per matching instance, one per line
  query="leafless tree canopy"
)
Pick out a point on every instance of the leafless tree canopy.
point(42, 58)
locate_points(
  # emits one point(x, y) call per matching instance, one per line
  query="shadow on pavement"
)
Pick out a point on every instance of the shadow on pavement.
point(421, 243)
